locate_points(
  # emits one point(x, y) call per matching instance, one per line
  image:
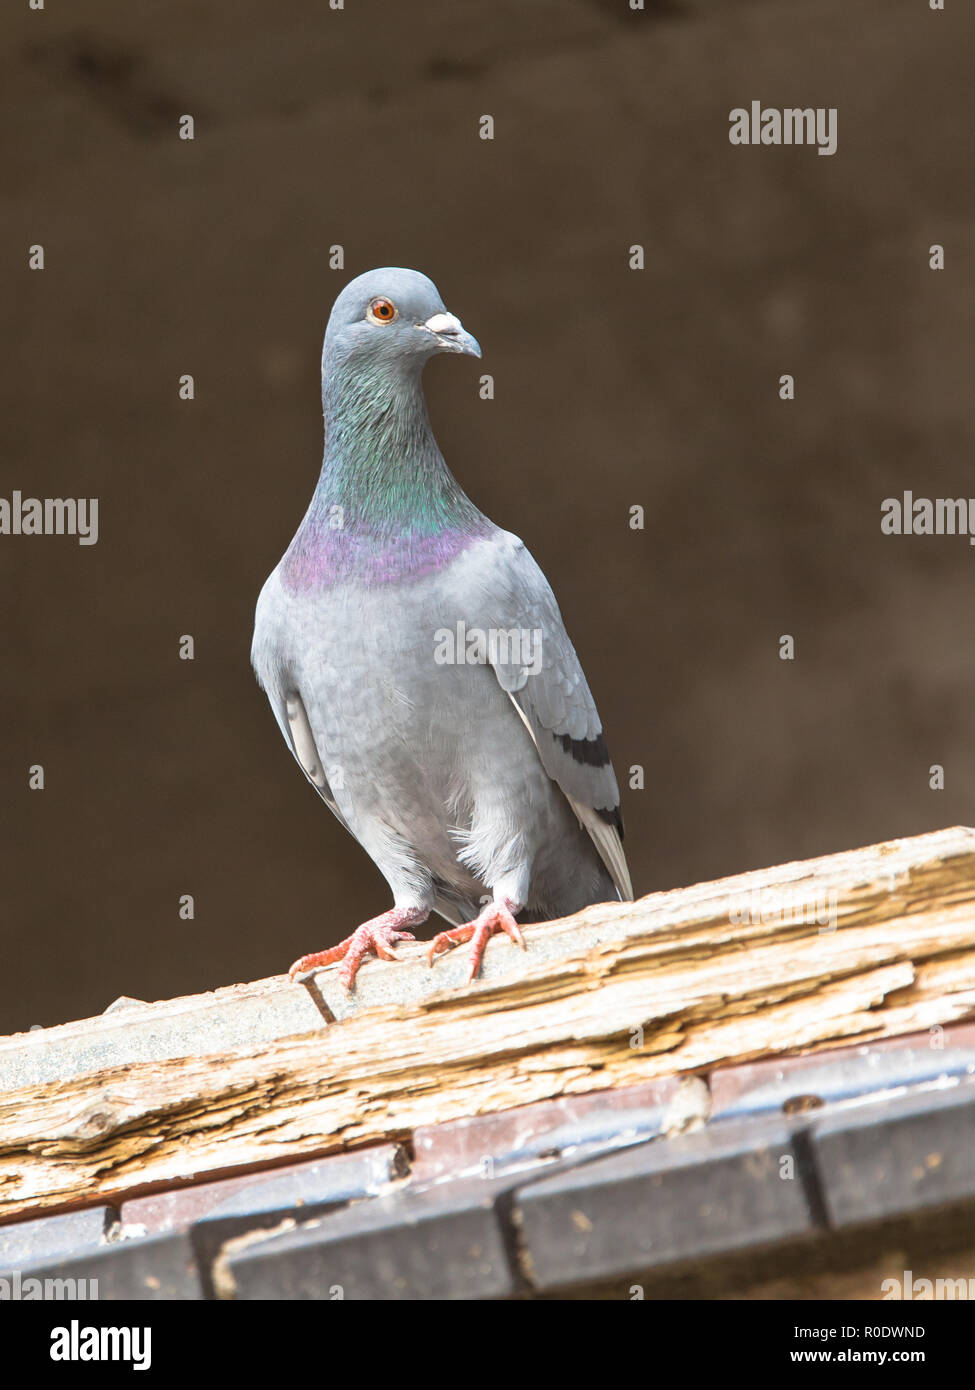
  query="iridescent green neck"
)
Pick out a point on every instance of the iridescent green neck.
point(382, 466)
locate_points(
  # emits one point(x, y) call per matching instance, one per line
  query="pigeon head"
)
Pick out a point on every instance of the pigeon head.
point(396, 317)
point(382, 467)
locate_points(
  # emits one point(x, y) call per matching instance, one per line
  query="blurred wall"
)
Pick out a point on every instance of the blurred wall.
point(614, 388)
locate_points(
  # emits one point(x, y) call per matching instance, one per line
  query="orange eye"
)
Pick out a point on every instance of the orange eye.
point(382, 311)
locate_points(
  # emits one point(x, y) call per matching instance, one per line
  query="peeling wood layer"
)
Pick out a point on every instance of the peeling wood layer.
point(674, 983)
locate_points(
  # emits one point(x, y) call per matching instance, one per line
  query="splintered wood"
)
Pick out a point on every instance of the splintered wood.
point(851, 947)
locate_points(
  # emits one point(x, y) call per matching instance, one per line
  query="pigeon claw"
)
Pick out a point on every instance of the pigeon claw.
point(375, 937)
point(496, 917)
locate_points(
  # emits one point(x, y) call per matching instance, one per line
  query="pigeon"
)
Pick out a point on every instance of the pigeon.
point(417, 664)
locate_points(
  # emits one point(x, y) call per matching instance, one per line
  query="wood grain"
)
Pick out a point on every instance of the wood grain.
point(681, 984)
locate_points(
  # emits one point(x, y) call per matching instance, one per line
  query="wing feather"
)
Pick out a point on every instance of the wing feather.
point(538, 668)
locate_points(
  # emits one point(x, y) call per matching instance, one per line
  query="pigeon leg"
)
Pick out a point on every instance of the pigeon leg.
point(496, 917)
point(377, 935)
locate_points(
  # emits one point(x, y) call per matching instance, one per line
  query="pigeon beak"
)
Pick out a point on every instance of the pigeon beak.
point(451, 335)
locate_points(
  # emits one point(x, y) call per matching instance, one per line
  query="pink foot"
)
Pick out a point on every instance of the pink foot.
point(377, 936)
point(495, 917)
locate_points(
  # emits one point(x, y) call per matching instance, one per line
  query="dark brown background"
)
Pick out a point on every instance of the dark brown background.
point(613, 388)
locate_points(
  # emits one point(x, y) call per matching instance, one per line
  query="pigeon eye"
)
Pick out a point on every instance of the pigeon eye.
point(381, 311)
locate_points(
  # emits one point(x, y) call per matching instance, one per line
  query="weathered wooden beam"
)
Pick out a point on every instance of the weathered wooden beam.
point(859, 945)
